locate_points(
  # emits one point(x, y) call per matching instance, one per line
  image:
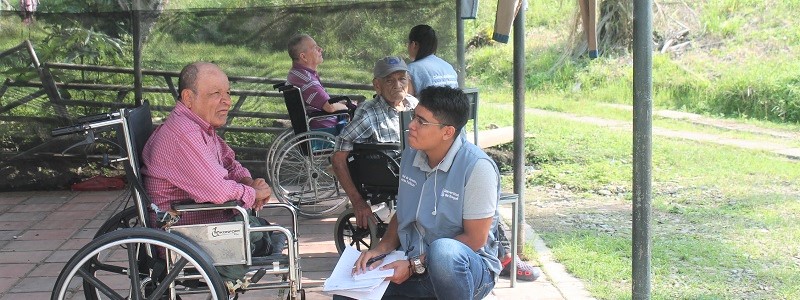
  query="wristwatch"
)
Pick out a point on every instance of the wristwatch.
point(416, 265)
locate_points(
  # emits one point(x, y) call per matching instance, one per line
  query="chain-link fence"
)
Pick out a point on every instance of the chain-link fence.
point(82, 63)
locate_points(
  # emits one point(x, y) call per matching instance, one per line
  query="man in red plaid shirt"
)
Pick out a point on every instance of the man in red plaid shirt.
point(185, 159)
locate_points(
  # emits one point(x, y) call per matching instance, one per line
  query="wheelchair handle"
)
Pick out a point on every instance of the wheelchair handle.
point(97, 117)
point(376, 146)
point(69, 130)
point(84, 124)
point(279, 85)
point(283, 86)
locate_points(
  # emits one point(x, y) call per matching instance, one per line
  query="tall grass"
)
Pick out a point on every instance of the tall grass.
point(741, 62)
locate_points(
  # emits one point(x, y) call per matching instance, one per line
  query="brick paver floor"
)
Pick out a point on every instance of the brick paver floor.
point(41, 230)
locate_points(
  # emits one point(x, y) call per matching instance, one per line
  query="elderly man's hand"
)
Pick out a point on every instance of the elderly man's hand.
point(363, 213)
point(263, 192)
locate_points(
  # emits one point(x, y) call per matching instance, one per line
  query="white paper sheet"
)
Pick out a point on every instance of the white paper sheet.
point(370, 285)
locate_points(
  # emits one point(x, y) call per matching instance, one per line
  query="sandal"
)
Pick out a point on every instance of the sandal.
point(525, 271)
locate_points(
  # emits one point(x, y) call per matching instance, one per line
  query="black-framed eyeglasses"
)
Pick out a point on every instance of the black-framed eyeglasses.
point(421, 121)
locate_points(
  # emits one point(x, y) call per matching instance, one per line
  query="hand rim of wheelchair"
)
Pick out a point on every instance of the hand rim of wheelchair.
point(188, 251)
point(310, 175)
point(276, 145)
point(285, 142)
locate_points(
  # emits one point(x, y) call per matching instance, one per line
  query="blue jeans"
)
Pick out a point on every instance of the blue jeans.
point(317, 145)
point(454, 271)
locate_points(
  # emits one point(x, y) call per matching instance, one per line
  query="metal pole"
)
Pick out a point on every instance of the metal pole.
point(519, 117)
point(136, 21)
point(642, 145)
point(460, 49)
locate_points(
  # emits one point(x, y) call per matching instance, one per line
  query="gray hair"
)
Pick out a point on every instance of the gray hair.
point(295, 46)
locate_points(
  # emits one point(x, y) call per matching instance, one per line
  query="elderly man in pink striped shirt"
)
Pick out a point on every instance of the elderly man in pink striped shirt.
point(185, 159)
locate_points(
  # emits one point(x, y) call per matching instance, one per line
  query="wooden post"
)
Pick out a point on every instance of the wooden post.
point(589, 21)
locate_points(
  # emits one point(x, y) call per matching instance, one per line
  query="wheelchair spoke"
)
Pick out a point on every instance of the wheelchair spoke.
point(176, 270)
point(305, 179)
point(99, 285)
point(133, 271)
point(360, 242)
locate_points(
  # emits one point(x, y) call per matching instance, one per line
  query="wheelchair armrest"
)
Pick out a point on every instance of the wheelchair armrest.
point(377, 146)
point(348, 101)
point(318, 114)
point(195, 206)
point(344, 114)
point(339, 98)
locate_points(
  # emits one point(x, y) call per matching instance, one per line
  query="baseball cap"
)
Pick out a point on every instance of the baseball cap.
point(388, 65)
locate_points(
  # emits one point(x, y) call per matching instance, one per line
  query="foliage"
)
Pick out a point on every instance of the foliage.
point(80, 6)
point(74, 44)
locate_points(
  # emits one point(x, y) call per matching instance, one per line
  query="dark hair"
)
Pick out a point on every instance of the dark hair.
point(425, 36)
point(294, 47)
point(188, 78)
point(449, 105)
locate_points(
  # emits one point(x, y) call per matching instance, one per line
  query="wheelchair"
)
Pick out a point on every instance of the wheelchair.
point(375, 171)
point(299, 160)
point(376, 175)
point(129, 258)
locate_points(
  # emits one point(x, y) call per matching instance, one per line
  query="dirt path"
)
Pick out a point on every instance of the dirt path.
point(550, 205)
point(784, 149)
point(605, 210)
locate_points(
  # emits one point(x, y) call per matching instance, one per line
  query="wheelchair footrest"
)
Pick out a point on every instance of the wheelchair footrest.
point(257, 276)
point(268, 260)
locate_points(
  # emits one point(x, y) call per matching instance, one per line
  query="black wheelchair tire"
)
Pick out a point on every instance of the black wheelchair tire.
point(346, 227)
point(127, 218)
point(188, 250)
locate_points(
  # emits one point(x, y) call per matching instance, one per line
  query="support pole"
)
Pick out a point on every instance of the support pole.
point(460, 48)
point(642, 146)
point(136, 21)
point(589, 21)
point(519, 117)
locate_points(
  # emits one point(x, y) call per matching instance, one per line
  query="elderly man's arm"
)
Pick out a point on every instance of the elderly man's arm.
point(235, 169)
point(239, 173)
point(361, 208)
point(332, 107)
point(196, 169)
point(358, 129)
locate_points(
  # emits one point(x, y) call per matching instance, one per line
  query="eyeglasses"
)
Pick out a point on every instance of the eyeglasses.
point(421, 121)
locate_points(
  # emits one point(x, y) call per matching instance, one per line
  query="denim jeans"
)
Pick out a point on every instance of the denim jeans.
point(454, 271)
point(317, 145)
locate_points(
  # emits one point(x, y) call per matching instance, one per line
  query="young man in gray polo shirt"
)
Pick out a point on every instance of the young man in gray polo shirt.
point(446, 208)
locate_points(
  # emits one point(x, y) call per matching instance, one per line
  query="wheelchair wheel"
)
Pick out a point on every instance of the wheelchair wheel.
point(347, 233)
point(125, 249)
point(303, 175)
point(127, 218)
point(276, 146)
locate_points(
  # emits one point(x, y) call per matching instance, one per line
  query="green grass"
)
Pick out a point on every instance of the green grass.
point(740, 64)
point(722, 235)
point(724, 218)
